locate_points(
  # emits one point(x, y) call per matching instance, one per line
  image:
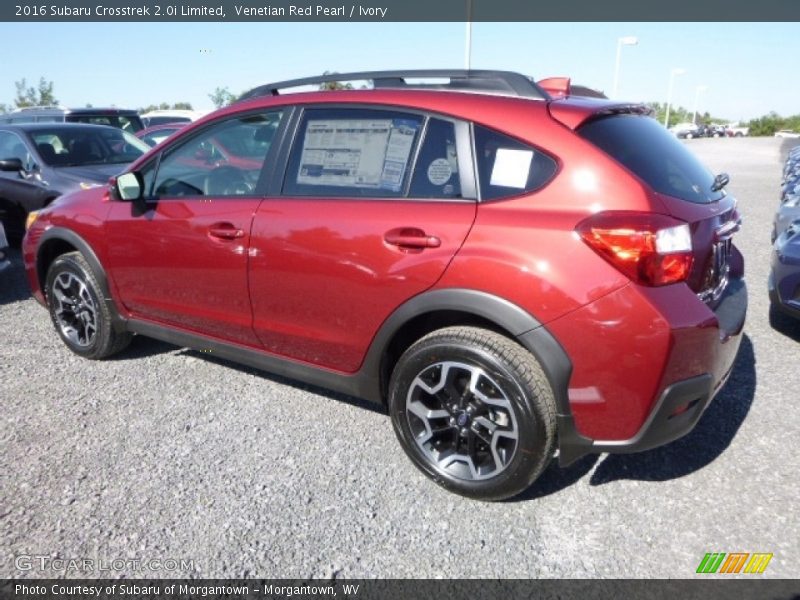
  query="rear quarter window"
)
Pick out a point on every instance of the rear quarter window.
point(643, 146)
point(508, 167)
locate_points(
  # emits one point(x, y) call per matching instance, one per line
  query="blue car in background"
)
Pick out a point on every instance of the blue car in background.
point(784, 277)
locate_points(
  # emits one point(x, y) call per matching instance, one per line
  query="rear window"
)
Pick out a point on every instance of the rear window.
point(79, 146)
point(124, 122)
point(354, 152)
point(642, 145)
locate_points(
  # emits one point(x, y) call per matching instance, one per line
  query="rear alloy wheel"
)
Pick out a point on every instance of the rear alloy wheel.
point(474, 411)
point(78, 311)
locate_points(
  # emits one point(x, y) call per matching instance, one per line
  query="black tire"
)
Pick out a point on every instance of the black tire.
point(507, 394)
point(80, 316)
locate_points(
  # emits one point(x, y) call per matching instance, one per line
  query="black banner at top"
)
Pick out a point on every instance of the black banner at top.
point(396, 10)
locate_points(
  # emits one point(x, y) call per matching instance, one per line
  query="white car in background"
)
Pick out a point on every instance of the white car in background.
point(162, 117)
point(786, 133)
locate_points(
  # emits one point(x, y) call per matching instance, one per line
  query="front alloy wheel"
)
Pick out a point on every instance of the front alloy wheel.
point(74, 309)
point(79, 312)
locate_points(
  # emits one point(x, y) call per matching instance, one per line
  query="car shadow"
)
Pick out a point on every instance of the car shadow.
point(708, 440)
point(784, 324)
point(352, 400)
point(142, 347)
point(13, 284)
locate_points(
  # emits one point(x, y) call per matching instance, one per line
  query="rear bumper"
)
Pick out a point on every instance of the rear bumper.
point(682, 402)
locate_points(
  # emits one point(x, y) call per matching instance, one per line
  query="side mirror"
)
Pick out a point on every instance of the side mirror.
point(129, 186)
point(11, 164)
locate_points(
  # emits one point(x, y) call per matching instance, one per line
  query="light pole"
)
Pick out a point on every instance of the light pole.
point(697, 90)
point(468, 42)
point(628, 40)
point(672, 74)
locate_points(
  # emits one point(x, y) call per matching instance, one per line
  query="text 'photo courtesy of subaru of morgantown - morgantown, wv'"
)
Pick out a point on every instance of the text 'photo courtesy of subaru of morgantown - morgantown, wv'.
point(455, 251)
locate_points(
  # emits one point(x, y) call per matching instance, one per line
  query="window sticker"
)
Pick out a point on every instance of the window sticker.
point(511, 168)
point(364, 153)
point(440, 171)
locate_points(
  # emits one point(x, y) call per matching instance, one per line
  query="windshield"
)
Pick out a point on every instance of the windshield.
point(642, 145)
point(79, 146)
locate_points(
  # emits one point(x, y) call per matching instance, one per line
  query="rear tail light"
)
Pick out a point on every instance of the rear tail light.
point(651, 249)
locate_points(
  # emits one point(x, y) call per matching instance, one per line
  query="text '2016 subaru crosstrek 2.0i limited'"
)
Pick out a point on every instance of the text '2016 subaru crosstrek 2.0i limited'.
point(510, 269)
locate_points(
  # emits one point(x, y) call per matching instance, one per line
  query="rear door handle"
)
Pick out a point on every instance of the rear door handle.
point(225, 231)
point(411, 237)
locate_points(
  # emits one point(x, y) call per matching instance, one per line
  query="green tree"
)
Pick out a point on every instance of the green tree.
point(222, 97)
point(42, 95)
point(334, 85)
point(769, 124)
point(3, 109)
point(166, 106)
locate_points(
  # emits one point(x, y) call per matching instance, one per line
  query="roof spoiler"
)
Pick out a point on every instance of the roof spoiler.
point(557, 87)
point(561, 87)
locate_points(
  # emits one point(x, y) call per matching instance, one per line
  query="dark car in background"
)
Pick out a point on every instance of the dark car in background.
point(784, 277)
point(125, 119)
point(4, 262)
point(789, 208)
point(41, 161)
point(715, 131)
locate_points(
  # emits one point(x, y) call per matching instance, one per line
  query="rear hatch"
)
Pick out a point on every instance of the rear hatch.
point(687, 190)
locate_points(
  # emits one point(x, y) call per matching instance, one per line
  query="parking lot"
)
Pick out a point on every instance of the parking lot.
point(167, 458)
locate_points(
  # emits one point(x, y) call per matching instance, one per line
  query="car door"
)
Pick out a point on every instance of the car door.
point(356, 231)
point(182, 261)
point(21, 191)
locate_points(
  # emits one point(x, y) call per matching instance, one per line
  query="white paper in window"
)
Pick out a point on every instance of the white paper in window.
point(511, 168)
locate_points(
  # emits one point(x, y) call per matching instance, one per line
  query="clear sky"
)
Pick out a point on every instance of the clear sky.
point(749, 69)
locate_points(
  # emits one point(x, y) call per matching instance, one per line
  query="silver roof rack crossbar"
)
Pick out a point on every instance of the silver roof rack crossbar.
point(502, 82)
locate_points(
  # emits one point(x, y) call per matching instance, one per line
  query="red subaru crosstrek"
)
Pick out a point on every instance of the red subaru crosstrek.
point(511, 269)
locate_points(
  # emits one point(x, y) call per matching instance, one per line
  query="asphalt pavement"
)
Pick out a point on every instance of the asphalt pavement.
point(167, 462)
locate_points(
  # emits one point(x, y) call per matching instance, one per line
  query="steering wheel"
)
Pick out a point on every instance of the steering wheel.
point(226, 181)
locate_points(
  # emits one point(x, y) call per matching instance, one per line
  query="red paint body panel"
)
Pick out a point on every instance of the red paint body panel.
point(168, 268)
point(323, 279)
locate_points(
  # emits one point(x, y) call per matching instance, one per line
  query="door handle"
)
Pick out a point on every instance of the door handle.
point(411, 237)
point(225, 231)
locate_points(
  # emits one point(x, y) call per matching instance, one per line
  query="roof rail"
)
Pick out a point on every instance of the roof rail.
point(502, 82)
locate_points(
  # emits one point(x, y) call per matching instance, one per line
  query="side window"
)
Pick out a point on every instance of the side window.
point(224, 160)
point(508, 167)
point(436, 174)
point(352, 152)
point(12, 146)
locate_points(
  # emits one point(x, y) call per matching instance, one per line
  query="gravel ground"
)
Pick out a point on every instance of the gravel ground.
point(164, 453)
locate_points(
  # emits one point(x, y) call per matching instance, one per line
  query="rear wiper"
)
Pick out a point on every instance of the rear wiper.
point(720, 181)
